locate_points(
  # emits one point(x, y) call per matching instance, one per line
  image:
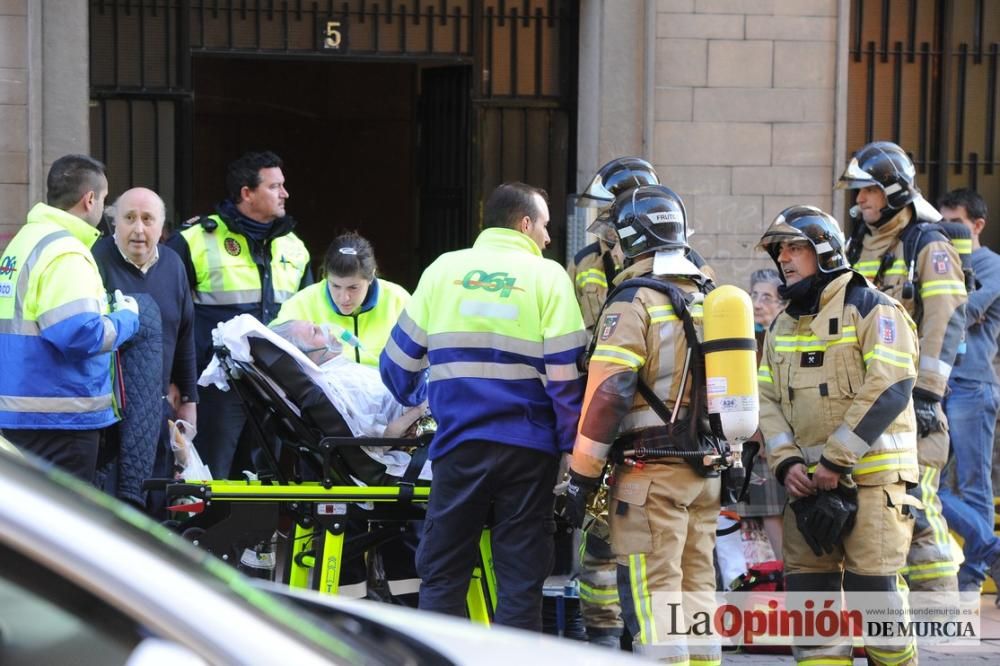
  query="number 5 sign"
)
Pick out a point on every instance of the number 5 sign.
point(333, 35)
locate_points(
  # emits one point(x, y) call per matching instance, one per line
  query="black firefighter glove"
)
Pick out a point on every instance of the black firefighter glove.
point(927, 415)
point(577, 492)
point(826, 518)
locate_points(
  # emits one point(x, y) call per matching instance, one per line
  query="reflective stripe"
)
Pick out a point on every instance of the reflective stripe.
point(503, 343)
point(851, 441)
point(592, 276)
point(565, 372)
point(892, 357)
point(641, 598)
point(19, 327)
point(930, 570)
point(17, 317)
point(280, 295)
point(354, 591)
point(928, 492)
point(238, 297)
point(892, 657)
point(565, 342)
point(661, 313)
point(813, 453)
point(215, 277)
point(619, 355)
point(827, 661)
point(931, 364)
point(884, 462)
point(870, 268)
point(806, 343)
point(942, 288)
point(67, 310)
point(781, 439)
point(110, 335)
point(68, 405)
point(400, 358)
point(405, 586)
point(410, 327)
point(472, 369)
point(962, 245)
point(591, 447)
point(492, 310)
point(600, 596)
point(764, 375)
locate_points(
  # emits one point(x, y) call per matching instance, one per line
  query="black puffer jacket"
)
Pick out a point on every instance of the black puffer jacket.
point(138, 432)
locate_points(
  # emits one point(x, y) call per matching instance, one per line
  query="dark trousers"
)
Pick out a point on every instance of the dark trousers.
point(472, 482)
point(220, 423)
point(74, 451)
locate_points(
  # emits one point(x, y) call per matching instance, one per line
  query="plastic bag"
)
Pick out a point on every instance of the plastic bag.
point(186, 457)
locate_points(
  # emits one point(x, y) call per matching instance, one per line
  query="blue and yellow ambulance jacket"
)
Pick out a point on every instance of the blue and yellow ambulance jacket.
point(492, 336)
point(55, 331)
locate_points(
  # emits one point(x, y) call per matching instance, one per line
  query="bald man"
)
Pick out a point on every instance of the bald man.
point(134, 261)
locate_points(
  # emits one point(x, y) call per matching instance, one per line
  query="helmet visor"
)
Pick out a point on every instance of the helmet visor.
point(854, 177)
point(604, 228)
point(596, 195)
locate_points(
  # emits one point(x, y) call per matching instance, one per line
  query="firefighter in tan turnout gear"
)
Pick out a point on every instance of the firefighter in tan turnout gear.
point(663, 510)
point(898, 246)
point(835, 382)
point(592, 269)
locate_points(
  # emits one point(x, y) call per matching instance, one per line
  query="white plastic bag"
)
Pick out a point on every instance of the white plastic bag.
point(185, 454)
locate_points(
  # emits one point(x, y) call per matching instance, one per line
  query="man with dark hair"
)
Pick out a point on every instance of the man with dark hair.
point(56, 332)
point(972, 402)
point(522, 208)
point(897, 244)
point(500, 330)
point(242, 259)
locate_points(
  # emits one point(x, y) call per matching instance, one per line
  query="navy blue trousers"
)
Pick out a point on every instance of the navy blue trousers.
point(510, 488)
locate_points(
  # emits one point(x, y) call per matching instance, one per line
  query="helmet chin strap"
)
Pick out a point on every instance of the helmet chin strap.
point(885, 215)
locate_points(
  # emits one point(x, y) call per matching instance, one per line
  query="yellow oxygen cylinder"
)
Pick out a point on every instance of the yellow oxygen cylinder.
point(730, 364)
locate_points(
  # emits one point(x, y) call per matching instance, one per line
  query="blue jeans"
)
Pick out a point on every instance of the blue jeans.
point(972, 411)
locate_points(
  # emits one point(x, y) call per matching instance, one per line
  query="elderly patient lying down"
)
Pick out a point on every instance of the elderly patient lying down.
point(355, 390)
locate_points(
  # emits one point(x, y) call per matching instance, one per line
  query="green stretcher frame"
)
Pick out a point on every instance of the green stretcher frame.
point(317, 566)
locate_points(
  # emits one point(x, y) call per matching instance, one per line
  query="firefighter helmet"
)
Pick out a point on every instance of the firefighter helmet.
point(649, 218)
point(615, 178)
point(807, 223)
point(886, 165)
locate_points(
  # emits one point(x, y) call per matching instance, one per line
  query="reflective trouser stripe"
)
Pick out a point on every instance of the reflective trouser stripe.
point(601, 596)
point(891, 657)
point(641, 598)
point(937, 523)
point(930, 570)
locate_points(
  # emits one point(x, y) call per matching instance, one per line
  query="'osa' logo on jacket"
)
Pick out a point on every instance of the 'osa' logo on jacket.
point(8, 266)
point(478, 279)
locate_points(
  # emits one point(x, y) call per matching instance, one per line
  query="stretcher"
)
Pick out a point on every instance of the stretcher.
point(315, 484)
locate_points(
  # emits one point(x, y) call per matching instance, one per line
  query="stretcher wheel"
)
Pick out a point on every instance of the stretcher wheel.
point(193, 533)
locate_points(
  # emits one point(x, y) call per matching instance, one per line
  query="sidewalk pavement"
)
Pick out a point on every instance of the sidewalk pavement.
point(987, 652)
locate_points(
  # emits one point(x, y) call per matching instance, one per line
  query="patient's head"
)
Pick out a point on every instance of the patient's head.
point(311, 339)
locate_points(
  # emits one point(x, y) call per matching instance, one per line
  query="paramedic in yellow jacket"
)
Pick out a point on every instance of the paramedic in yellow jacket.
point(352, 298)
point(931, 286)
point(243, 259)
point(835, 410)
point(662, 515)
